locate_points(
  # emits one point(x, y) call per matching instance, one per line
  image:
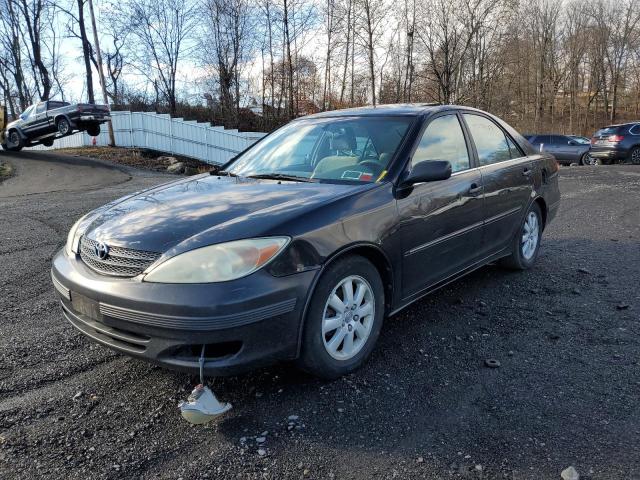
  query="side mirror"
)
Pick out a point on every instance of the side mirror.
point(428, 171)
point(573, 143)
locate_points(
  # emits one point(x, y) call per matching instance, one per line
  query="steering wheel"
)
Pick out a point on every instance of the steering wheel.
point(375, 165)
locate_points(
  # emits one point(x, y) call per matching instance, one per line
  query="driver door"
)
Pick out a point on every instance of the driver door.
point(441, 222)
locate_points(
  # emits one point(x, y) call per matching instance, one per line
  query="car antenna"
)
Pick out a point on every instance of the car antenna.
point(202, 406)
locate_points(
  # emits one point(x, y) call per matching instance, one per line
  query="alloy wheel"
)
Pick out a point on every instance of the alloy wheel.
point(635, 156)
point(348, 317)
point(14, 139)
point(530, 235)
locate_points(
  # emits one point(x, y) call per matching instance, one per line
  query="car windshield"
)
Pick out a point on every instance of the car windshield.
point(24, 115)
point(332, 149)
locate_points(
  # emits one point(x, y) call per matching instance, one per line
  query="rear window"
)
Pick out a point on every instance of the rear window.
point(607, 131)
point(54, 104)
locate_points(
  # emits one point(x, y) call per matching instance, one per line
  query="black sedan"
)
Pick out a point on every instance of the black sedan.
point(300, 247)
point(567, 149)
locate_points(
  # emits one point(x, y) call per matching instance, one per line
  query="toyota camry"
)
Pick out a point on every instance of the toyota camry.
point(299, 247)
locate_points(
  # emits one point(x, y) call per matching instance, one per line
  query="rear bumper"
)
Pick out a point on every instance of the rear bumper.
point(244, 324)
point(608, 153)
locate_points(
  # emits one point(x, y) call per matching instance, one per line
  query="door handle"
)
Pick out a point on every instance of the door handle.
point(527, 172)
point(475, 189)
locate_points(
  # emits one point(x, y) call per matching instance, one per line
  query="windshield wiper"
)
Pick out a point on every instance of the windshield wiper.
point(223, 173)
point(281, 176)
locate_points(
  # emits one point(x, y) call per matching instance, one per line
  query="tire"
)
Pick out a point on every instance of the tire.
point(586, 160)
point(14, 141)
point(523, 257)
point(634, 156)
point(63, 126)
point(93, 130)
point(47, 143)
point(318, 357)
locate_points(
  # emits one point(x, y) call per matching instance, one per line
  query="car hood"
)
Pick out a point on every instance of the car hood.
point(207, 209)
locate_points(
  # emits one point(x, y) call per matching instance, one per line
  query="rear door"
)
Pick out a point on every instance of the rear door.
point(507, 177)
point(440, 222)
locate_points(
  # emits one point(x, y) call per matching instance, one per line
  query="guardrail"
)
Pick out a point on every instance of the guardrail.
point(160, 132)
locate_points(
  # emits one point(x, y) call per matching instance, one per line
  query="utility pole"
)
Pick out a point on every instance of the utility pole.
point(112, 140)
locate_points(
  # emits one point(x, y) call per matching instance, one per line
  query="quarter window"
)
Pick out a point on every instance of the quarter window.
point(443, 140)
point(514, 149)
point(490, 141)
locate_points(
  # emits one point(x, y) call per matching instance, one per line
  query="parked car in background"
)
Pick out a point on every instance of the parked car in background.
point(45, 121)
point(617, 143)
point(580, 139)
point(567, 149)
point(302, 244)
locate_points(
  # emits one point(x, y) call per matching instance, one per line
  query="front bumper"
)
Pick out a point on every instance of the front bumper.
point(243, 324)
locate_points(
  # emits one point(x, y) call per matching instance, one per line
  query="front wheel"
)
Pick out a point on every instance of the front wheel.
point(526, 244)
point(587, 159)
point(634, 156)
point(14, 141)
point(344, 319)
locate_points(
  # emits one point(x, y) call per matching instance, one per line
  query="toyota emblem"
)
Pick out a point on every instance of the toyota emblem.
point(101, 250)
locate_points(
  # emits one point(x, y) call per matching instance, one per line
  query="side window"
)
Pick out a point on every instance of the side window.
point(443, 140)
point(514, 149)
point(635, 129)
point(490, 141)
point(41, 108)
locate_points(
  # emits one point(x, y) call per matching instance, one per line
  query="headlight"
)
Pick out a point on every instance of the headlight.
point(218, 263)
point(73, 238)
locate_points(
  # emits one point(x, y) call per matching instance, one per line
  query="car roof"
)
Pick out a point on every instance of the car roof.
point(411, 109)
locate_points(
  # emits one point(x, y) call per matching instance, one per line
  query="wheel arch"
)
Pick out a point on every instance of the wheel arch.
point(373, 253)
point(57, 118)
point(543, 209)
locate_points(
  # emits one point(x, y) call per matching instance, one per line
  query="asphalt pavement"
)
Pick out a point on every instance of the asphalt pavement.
point(566, 334)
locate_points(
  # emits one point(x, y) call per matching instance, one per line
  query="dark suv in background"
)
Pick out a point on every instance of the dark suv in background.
point(617, 143)
point(567, 149)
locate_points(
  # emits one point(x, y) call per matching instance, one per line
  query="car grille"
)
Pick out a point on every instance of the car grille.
point(120, 262)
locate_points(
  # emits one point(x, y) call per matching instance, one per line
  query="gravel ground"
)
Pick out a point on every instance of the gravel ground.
point(425, 405)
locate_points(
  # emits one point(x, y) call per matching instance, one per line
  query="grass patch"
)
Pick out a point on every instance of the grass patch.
point(134, 157)
point(6, 170)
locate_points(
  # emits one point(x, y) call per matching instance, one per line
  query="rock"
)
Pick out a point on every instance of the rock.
point(176, 168)
point(492, 363)
point(420, 460)
point(570, 473)
point(340, 410)
point(623, 306)
point(293, 418)
point(261, 439)
point(478, 468)
point(574, 164)
point(584, 270)
point(77, 395)
point(262, 452)
point(190, 170)
point(167, 160)
point(576, 291)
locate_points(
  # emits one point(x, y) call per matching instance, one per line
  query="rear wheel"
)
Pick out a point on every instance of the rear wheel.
point(93, 130)
point(344, 318)
point(526, 244)
point(634, 156)
point(48, 143)
point(64, 127)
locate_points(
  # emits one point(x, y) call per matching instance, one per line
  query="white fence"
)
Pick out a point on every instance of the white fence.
point(160, 132)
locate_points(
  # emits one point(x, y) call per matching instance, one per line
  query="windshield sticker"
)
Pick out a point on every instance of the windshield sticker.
point(351, 175)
